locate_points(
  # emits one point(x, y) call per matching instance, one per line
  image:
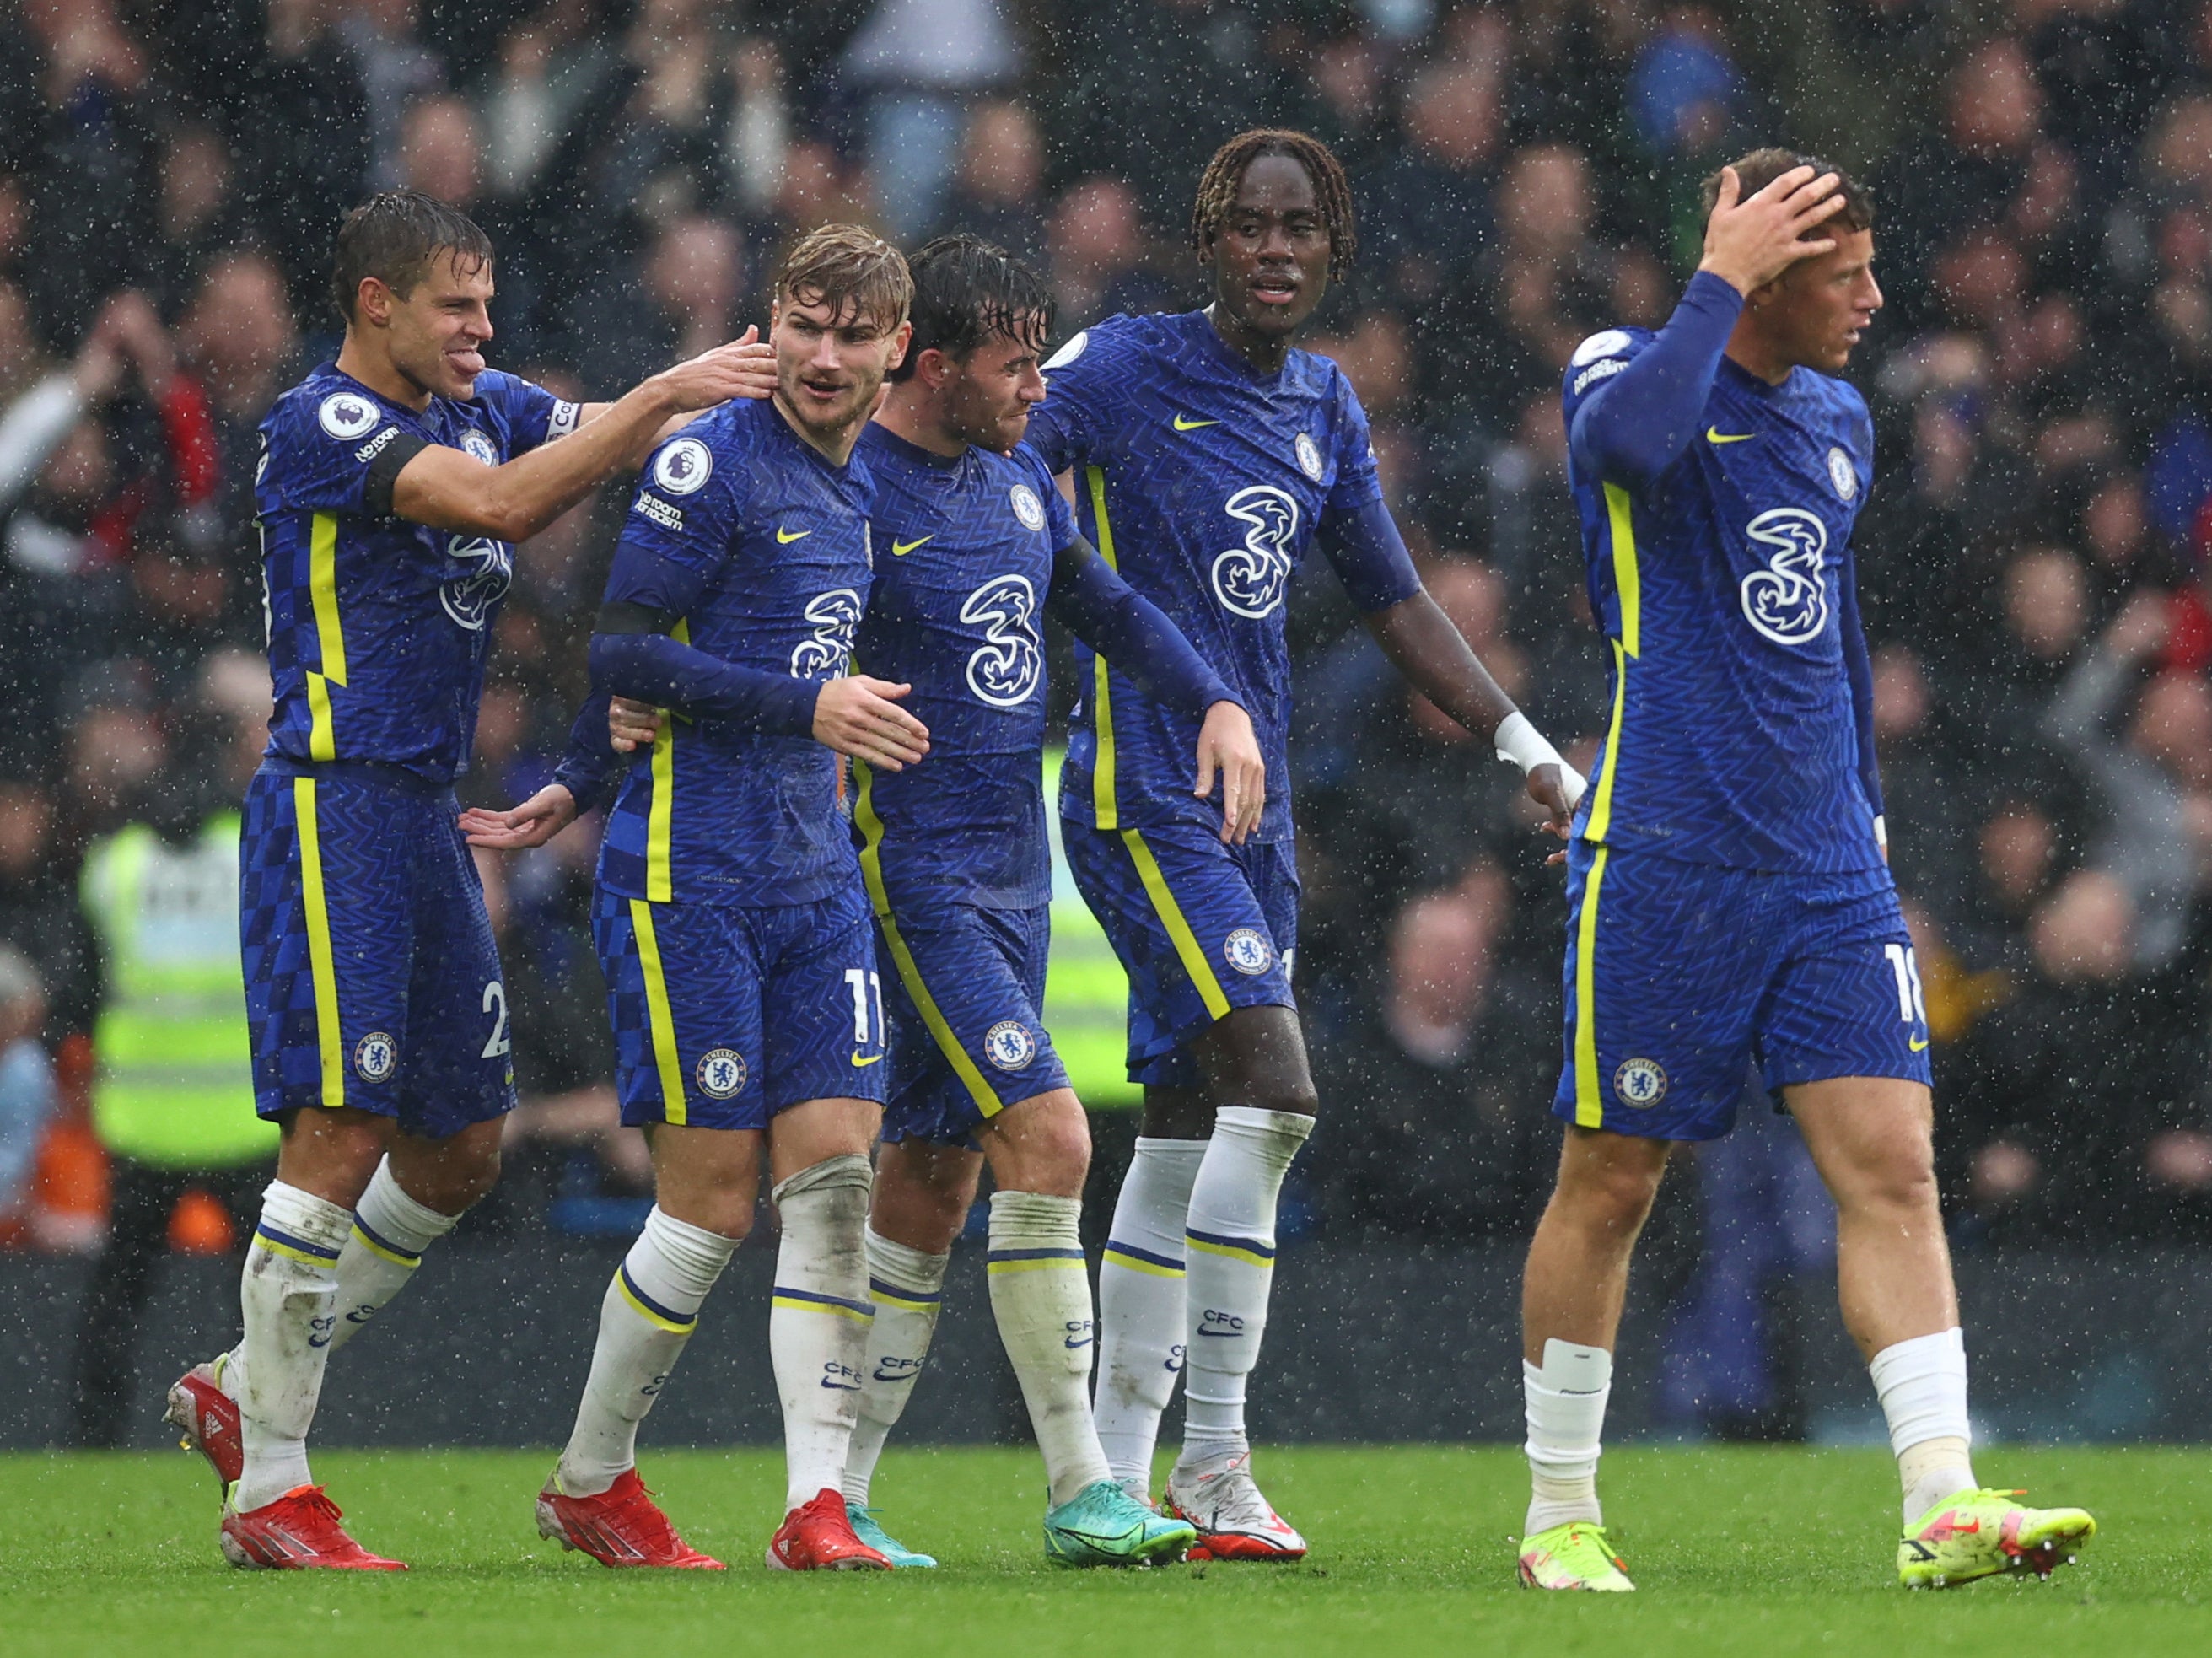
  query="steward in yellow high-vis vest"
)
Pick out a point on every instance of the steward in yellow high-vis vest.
point(173, 1081)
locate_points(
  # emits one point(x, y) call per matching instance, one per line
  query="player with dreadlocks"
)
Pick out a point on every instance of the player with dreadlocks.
point(1208, 456)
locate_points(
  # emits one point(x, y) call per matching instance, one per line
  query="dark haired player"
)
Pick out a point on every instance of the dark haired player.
point(1730, 899)
point(1209, 457)
point(981, 547)
point(392, 483)
point(729, 918)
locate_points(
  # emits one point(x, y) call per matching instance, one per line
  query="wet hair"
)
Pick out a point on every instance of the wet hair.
point(395, 236)
point(1763, 166)
point(1225, 174)
point(968, 292)
point(855, 272)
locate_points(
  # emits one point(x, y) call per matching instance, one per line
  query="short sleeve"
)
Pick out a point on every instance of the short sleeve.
point(1065, 428)
point(1358, 483)
point(681, 525)
point(532, 414)
point(321, 450)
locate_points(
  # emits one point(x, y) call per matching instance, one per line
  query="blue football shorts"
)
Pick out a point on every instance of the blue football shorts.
point(1200, 927)
point(962, 985)
point(1680, 975)
point(371, 977)
point(725, 1015)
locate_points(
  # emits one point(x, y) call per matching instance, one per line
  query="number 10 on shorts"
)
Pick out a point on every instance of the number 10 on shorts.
point(1910, 1007)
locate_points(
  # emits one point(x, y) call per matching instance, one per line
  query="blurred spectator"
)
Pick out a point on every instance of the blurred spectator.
point(28, 1099)
point(396, 69)
point(1097, 248)
point(918, 64)
point(2143, 787)
point(686, 299)
point(172, 1094)
point(1447, 1146)
point(1001, 192)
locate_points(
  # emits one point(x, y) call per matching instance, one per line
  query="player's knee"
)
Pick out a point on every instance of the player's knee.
point(1902, 1181)
point(1609, 1194)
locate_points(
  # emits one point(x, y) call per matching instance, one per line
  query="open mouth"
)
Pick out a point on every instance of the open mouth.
point(468, 363)
point(825, 390)
point(1273, 288)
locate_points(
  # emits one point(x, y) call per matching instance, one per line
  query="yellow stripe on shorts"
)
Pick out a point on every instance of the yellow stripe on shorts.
point(1194, 958)
point(322, 965)
point(659, 1016)
point(1590, 1100)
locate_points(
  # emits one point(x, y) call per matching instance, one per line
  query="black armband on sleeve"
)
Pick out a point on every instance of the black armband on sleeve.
point(384, 473)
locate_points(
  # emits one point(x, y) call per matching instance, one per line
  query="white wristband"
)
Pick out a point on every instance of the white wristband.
point(1518, 741)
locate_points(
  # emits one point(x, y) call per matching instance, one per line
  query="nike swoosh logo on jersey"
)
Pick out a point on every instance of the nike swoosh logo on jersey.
point(785, 537)
point(857, 1060)
point(901, 548)
point(1918, 1044)
point(1183, 425)
point(1714, 434)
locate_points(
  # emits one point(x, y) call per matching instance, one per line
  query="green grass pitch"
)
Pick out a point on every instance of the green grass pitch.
point(1750, 1551)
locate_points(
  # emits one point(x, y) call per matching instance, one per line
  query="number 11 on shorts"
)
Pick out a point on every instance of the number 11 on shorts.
point(1910, 1007)
point(864, 986)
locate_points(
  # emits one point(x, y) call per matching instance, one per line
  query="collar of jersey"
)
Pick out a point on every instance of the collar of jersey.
point(898, 449)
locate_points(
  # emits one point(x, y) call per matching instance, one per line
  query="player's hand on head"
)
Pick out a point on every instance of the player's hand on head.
point(746, 367)
point(632, 726)
point(1228, 747)
point(533, 823)
point(1751, 240)
point(860, 716)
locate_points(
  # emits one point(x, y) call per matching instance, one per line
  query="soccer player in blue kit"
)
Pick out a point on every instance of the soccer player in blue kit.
point(1208, 456)
point(1729, 895)
point(980, 548)
point(391, 485)
point(730, 919)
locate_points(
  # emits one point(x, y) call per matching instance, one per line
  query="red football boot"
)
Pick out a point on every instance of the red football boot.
point(622, 1525)
point(816, 1536)
point(208, 1419)
point(298, 1531)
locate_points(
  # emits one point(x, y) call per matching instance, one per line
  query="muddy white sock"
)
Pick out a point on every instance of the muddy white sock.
point(1230, 1237)
point(1041, 1297)
point(818, 1324)
point(1565, 1397)
point(391, 1230)
point(1922, 1383)
point(286, 1294)
point(907, 1288)
point(648, 1314)
point(1140, 1305)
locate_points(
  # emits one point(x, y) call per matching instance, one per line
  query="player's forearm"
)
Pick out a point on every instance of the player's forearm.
point(1637, 424)
point(590, 759)
point(562, 474)
point(1421, 642)
point(651, 667)
point(1103, 610)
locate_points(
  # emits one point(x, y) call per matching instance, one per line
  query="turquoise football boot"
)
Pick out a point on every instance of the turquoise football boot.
point(1102, 1525)
point(866, 1528)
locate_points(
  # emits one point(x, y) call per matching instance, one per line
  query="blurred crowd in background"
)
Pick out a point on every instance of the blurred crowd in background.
point(2032, 559)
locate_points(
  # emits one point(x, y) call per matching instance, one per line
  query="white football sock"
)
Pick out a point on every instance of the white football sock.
point(1230, 1235)
point(1565, 1398)
point(1041, 1297)
point(907, 1287)
point(391, 1230)
point(818, 1324)
point(649, 1311)
point(1923, 1385)
point(287, 1293)
point(1140, 1305)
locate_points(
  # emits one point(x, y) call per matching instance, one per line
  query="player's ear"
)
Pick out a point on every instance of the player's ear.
point(900, 341)
point(373, 302)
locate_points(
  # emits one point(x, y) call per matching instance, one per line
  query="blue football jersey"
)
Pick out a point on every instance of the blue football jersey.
point(958, 613)
point(1726, 586)
point(377, 627)
point(779, 538)
point(1202, 482)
